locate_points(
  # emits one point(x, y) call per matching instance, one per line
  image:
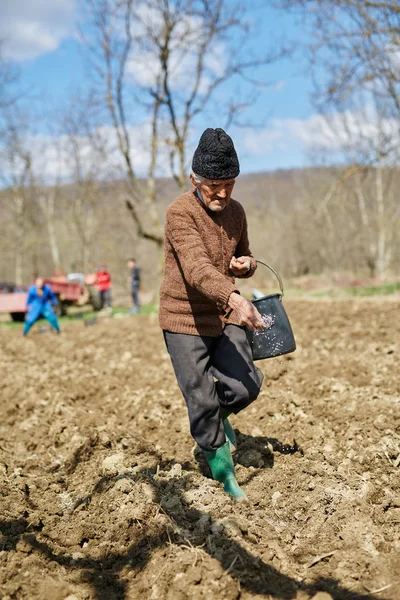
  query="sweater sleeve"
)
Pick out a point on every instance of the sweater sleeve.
point(198, 270)
point(243, 249)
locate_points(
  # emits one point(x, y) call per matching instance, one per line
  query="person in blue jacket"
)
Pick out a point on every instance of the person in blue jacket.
point(40, 302)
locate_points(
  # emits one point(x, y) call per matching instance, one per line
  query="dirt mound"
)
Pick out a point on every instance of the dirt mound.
point(103, 497)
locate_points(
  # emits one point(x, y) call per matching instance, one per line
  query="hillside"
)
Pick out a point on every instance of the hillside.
point(304, 221)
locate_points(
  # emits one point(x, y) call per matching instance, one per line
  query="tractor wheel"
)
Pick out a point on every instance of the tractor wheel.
point(18, 317)
point(94, 297)
point(60, 309)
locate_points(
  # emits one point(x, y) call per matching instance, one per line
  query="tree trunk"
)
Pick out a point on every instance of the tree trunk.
point(48, 207)
point(54, 249)
point(361, 202)
point(86, 241)
point(381, 245)
point(20, 239)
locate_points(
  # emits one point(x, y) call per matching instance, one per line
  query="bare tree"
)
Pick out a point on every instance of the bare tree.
point(15, 164)
point(85, 151)
point(25, 180)
point(167, 60)
point(8, 78)
point(355, 46)
point(369, 143)
point(359, 43)
point(45, 193)
point(354, 54)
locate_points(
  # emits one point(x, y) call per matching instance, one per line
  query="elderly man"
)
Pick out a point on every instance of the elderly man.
point(202, 313)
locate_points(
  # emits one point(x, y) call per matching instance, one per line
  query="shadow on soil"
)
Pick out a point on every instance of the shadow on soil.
point(103, 574)
point(252, 450)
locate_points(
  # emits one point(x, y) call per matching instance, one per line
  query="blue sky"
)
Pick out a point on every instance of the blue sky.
point(41, 37)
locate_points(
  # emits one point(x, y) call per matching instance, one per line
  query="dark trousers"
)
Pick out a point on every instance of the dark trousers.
point(135, 297)
point(105, 297)
point(213, 372)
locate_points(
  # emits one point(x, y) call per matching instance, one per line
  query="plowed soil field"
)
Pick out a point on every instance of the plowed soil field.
point(103, 497)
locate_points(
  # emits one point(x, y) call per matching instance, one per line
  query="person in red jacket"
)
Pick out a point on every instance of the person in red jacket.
point(103, 281)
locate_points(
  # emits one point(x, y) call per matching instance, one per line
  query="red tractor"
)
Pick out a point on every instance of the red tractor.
point(75, 289)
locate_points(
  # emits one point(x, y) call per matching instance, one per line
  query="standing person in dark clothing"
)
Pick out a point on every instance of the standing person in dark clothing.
point(39, 303)
point(202, 314)
point(134, 281)
point(103, 280)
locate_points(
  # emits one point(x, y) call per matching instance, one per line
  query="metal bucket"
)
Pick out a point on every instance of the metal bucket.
point(278, 338)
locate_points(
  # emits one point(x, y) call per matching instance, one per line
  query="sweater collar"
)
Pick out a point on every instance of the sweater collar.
point(199, 198)
point(198, 194)
point(213, 214)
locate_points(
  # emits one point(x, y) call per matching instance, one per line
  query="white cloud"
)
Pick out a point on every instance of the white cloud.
point(346, 135)
point(279, 85)
point(30, 28)
point(145, 69)
point(53, 157)
point(393, 54)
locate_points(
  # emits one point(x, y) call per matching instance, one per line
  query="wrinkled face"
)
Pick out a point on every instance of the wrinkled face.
point(216, 194)
point(39, 283)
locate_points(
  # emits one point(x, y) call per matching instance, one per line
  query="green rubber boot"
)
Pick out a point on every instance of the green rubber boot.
point(223, 470)
point(230, 434)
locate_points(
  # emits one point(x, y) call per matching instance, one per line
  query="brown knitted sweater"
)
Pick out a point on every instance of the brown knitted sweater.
point(199, 245)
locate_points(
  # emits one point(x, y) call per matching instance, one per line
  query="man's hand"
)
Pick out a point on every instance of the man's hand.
point(240, 266)
point(246, 312)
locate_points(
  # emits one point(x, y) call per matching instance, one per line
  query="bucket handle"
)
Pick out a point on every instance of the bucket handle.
point(275, 273)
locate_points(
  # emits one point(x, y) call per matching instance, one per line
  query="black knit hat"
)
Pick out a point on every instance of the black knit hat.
point(215, 156)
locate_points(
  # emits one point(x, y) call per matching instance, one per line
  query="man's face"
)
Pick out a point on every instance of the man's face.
point(39, 283)
point(215, 193)
point(131, 264)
